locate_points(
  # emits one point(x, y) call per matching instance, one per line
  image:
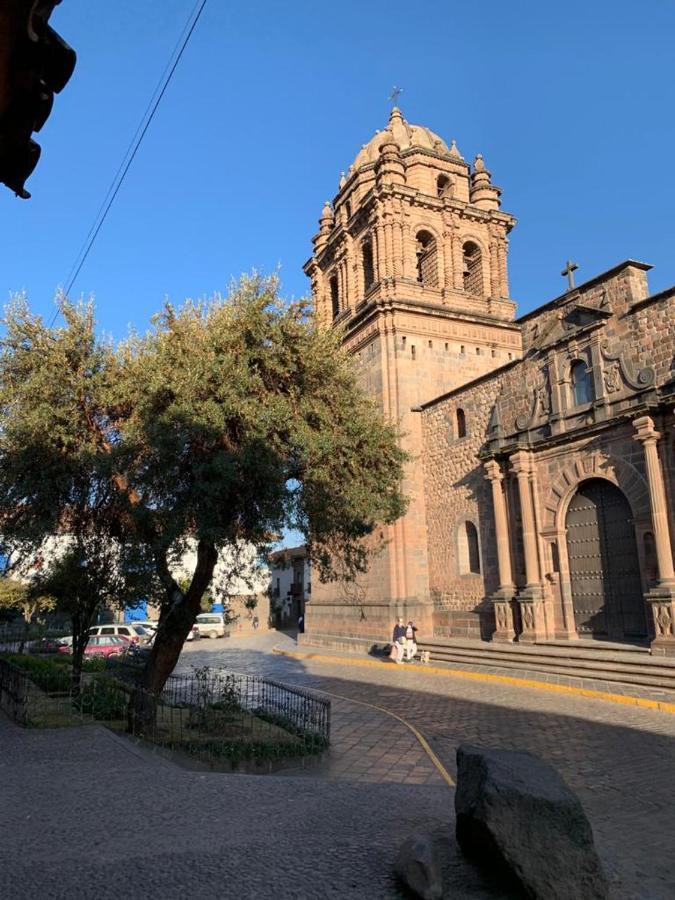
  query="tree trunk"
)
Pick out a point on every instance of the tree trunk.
point(174, 627)
point(80, 636)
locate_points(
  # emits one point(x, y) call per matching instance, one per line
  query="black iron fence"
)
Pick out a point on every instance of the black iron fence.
point(216, 715)
point(31, 639)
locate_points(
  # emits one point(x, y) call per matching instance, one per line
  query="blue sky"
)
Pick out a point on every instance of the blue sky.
point(570, 103)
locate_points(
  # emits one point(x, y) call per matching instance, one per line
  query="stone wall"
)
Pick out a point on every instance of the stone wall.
point(630, 345)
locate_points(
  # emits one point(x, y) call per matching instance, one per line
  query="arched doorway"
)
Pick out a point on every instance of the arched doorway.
point(604, 566)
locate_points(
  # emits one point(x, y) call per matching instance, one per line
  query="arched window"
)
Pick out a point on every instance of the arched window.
point(427, 259)
point(443, 186)
point(348, 209)
point(469, 551)
point(334, 296)
point(368, 272)
point(582, 384)
point(461, 423)
point(473, 268)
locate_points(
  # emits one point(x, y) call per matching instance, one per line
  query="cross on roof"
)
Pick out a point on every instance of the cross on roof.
point(569, 270)
point(395, 94)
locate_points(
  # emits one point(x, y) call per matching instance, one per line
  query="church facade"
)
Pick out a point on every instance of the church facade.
point(542, 472)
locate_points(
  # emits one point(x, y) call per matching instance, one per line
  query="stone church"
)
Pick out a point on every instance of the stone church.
point(542, 473)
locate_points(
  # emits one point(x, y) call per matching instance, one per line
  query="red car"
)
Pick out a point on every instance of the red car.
point(106, 645)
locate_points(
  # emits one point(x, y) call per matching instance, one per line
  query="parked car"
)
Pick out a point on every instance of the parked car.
point(150, 627)
point(131, 630)
point(46, 645)
point(213, 625)
point(103, 646)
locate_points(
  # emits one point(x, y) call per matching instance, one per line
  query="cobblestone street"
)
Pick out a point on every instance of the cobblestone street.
point(85, 813)
point(618, 758)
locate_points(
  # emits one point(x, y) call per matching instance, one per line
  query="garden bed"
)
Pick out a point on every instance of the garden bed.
point(230, 722)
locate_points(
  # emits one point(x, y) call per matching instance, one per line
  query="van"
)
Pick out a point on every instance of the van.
point(213, 625)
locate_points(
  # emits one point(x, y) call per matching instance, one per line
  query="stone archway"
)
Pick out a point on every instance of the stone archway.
point(604, 569)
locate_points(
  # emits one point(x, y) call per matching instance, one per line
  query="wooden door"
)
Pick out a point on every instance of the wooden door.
point(604, 566)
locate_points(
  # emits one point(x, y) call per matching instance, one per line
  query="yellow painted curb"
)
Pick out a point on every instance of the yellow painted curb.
point(659, 705)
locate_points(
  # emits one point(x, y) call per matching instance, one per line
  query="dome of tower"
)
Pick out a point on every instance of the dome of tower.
point(405, 135)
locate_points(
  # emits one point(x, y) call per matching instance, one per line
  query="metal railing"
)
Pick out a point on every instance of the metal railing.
point(213, 714)
point(31, 639)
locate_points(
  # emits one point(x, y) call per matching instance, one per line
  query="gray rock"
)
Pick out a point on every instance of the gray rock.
point(419, 867)
point(516, 816)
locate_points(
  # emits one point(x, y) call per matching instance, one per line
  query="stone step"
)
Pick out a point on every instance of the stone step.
point(645, 673)
point(574, 650)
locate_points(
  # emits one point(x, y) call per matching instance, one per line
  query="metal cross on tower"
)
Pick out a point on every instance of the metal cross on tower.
point(395, 94)
point(569, 270)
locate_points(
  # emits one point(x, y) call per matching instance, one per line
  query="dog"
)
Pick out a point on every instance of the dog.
point(425, 656)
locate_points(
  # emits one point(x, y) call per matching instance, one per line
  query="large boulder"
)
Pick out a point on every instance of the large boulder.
point(516, 816)
point(419, 867)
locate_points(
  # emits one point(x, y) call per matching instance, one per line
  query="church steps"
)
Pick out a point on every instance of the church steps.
point(616, 668)
point(620, 667)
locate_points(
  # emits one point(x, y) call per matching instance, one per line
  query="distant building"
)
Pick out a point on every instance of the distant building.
point(291, 585)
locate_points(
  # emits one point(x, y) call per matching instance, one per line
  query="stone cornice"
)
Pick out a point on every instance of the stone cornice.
point(376, 307)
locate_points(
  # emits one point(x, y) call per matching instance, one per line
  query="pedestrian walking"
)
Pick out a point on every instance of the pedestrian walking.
point(410, 641)
point(398, 641)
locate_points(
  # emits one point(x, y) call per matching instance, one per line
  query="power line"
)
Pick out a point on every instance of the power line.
point(134, 146)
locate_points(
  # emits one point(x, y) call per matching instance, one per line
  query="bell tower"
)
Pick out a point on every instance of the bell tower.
point(411, 261)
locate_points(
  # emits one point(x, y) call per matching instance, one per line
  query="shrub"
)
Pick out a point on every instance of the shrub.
point(103, 700)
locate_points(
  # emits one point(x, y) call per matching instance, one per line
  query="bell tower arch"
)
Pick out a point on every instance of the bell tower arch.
point(411, 260)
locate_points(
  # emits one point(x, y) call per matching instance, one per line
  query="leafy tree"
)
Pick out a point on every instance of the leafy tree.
point(17, 596)
point(89, 572)
point(225, 423)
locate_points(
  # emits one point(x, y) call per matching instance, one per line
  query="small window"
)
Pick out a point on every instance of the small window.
point(431, 345)
point(334, 296)
point(473, 269)
point(446, 348)
point(413, 352)
point(462, 349)
point(477, 351)
point(443, 186)
point(468, 548)
point(368, 271)
point(427, 259)
point(109, 630)
point(461, 423)
point(582, 385)
point(348, 209)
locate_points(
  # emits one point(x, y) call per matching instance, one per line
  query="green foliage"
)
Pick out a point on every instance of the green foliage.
point(24, 598)
point(52, 673)
point(226, 423)
point(103, 699)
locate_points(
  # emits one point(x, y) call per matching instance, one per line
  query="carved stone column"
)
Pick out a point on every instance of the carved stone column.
point(503, 598)
point(661, 599)
point(531, 597)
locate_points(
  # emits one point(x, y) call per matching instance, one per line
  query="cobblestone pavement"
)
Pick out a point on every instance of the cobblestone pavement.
point(84, 815)
point(618, 758)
